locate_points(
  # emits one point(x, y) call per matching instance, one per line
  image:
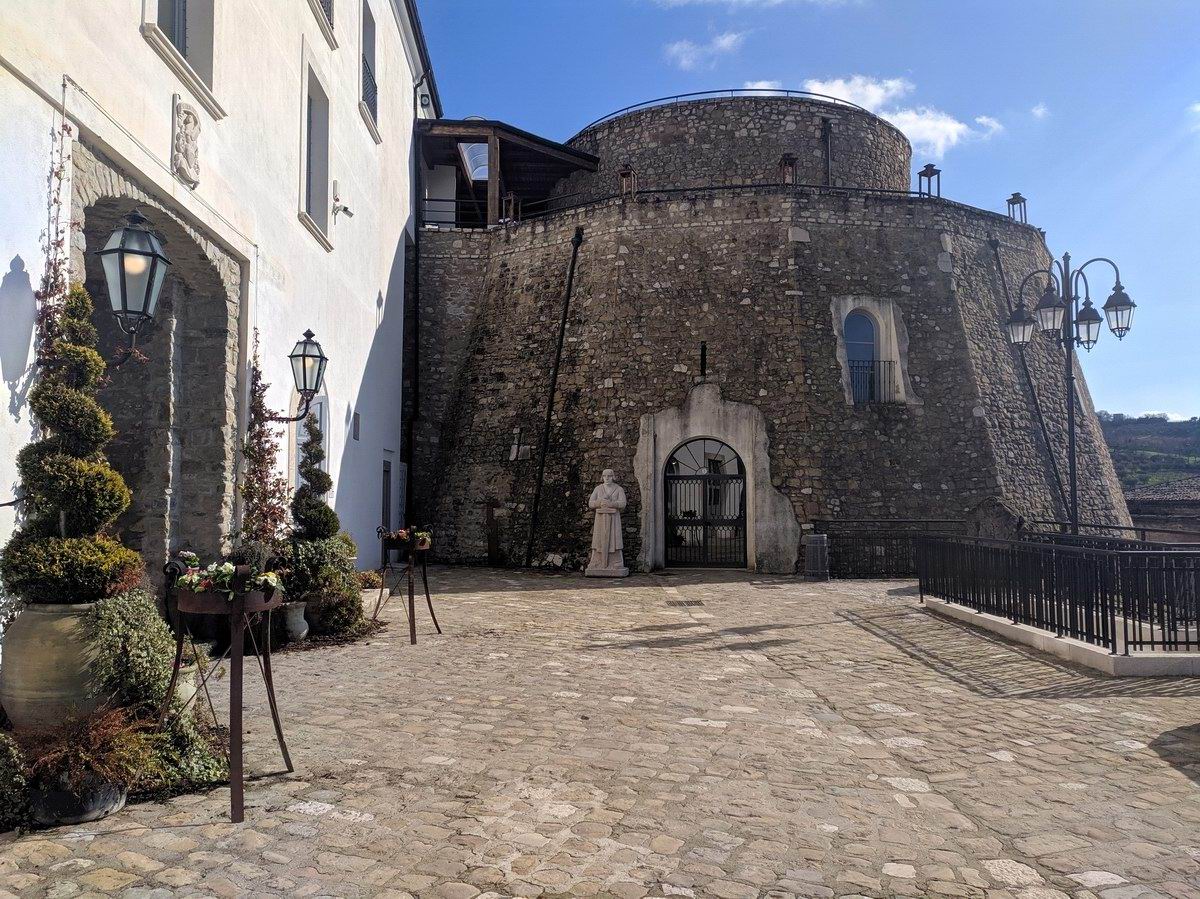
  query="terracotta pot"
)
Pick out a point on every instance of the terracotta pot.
point(294, 621)
point(46, 675)
point(52, 805)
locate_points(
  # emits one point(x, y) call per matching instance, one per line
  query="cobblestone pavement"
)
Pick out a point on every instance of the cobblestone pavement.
point(714, 734)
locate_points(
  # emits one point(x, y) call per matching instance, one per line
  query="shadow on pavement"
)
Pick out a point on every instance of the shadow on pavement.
point(1180, 748)
point(989, 666)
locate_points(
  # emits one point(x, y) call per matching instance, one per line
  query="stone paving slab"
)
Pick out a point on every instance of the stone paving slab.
point(576, 738)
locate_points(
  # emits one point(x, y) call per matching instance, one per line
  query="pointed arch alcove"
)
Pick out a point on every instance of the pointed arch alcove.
point(176, 411)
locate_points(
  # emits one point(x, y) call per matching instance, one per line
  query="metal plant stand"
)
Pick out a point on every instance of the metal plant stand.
point(245, 610)
point(410, 551)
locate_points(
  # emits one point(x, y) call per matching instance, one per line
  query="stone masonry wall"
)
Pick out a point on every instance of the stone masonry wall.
point(752, 272)
point(739, 141)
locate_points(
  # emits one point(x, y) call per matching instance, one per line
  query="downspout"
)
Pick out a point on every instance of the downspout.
point(410, 508)
point(1037, 407)
point(576, 240)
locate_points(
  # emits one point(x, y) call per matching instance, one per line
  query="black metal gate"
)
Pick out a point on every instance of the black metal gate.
point(704, 491)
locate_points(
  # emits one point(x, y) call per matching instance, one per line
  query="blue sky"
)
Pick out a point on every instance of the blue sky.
point(1090, 109)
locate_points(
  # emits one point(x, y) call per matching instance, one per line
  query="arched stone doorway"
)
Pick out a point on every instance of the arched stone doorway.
point(176, 411)
point(704, 494)
point(771, 531)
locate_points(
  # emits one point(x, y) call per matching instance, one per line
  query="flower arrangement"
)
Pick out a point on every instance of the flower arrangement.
point(404, 536)
point(218, 577)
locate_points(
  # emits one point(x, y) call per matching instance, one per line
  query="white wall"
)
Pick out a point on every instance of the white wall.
point(249, 194)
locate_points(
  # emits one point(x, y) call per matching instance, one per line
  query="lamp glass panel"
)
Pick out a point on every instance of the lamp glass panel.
point(160, 272)
point(112, 276)
point(1020, 332)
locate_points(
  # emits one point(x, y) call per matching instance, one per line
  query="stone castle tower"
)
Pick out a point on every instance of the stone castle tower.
point(856, 360)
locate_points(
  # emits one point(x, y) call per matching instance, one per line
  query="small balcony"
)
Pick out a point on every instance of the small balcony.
point(873, 382)
point(370, 90)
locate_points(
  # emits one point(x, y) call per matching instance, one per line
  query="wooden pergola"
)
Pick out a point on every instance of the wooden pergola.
point(519, 163)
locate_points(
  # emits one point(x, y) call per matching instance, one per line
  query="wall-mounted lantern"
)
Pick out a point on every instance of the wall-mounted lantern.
point(929, 179)
point(1016, 208)
point(308, 371)
point(134, 268)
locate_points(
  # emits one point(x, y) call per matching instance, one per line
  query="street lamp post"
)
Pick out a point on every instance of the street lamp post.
point(1062, 318)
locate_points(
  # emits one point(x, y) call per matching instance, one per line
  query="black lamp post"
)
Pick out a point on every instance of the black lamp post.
point(134, 268)
point(1061, 317)
point(308, 371)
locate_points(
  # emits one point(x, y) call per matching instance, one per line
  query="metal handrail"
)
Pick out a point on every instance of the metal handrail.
point(726, 92)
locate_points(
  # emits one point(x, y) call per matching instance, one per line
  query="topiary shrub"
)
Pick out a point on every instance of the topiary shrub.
point(71, 495)
point(313, 518)
point(14, 788)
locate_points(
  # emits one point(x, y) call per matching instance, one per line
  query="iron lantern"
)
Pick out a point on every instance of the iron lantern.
point(1118, 309)
point(1087, 325)
point(1050, 310)
point(1021, 325)
point(308, 366)
point(134, 268)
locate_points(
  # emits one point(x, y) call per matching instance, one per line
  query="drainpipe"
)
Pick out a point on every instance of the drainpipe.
point(418, 222)
point(576, 240)
point(1037, 407)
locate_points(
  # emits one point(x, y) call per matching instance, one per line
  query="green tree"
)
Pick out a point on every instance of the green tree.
point(313, 517)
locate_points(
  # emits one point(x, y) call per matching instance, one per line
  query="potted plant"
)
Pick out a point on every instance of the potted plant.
point(209, 590)
point(63, 558)
point(82, 770)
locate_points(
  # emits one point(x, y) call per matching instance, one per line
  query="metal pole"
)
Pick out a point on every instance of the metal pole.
point(576, 240)
point(1068, 340)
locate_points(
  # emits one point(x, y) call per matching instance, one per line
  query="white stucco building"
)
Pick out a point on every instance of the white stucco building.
point(270, 143)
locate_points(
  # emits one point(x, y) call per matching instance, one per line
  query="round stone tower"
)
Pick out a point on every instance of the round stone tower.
point(767, 331)
point(726, 141)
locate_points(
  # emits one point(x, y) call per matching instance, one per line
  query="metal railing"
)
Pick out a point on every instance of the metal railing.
point(1121, 600)
point(370, 91)
point(717, 94)
point(1142, 531)
point(879, 548)
point(873, 381)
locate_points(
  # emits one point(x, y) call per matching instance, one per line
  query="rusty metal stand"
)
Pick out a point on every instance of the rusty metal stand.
point(241, 609)
point(410, 610)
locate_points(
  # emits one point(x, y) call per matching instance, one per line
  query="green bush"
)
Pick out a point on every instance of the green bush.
point(314, 519)
point(370, 580)
point(62, 554)
point(14, 788)
point(321, 572)
point(337, 614)
point(46, 569)
point(135, 652)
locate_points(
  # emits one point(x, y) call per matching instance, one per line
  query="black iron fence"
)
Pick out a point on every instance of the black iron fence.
point(1120, 599)
point(878, 548)
point(873, 381)
point(370, 90)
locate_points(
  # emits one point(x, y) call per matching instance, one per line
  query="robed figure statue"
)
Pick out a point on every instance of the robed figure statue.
point(608, 549)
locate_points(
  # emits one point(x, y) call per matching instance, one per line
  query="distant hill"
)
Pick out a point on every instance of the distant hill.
point(1149, 449)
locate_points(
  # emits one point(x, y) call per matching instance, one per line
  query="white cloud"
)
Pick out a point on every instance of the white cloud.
point(689, 55)
point(762, 85)
point(1040, 111)
point(864, 90)
point(1194, 116)
point(931, 131)
point(989, 125)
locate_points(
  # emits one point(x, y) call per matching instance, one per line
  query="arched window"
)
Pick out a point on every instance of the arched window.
point(862, 357)
point(319, 408)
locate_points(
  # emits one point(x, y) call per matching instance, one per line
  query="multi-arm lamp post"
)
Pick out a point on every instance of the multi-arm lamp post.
point(1062, 318)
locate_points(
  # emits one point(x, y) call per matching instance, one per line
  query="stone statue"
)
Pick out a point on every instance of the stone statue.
point(608, 549)
point(185, 143)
